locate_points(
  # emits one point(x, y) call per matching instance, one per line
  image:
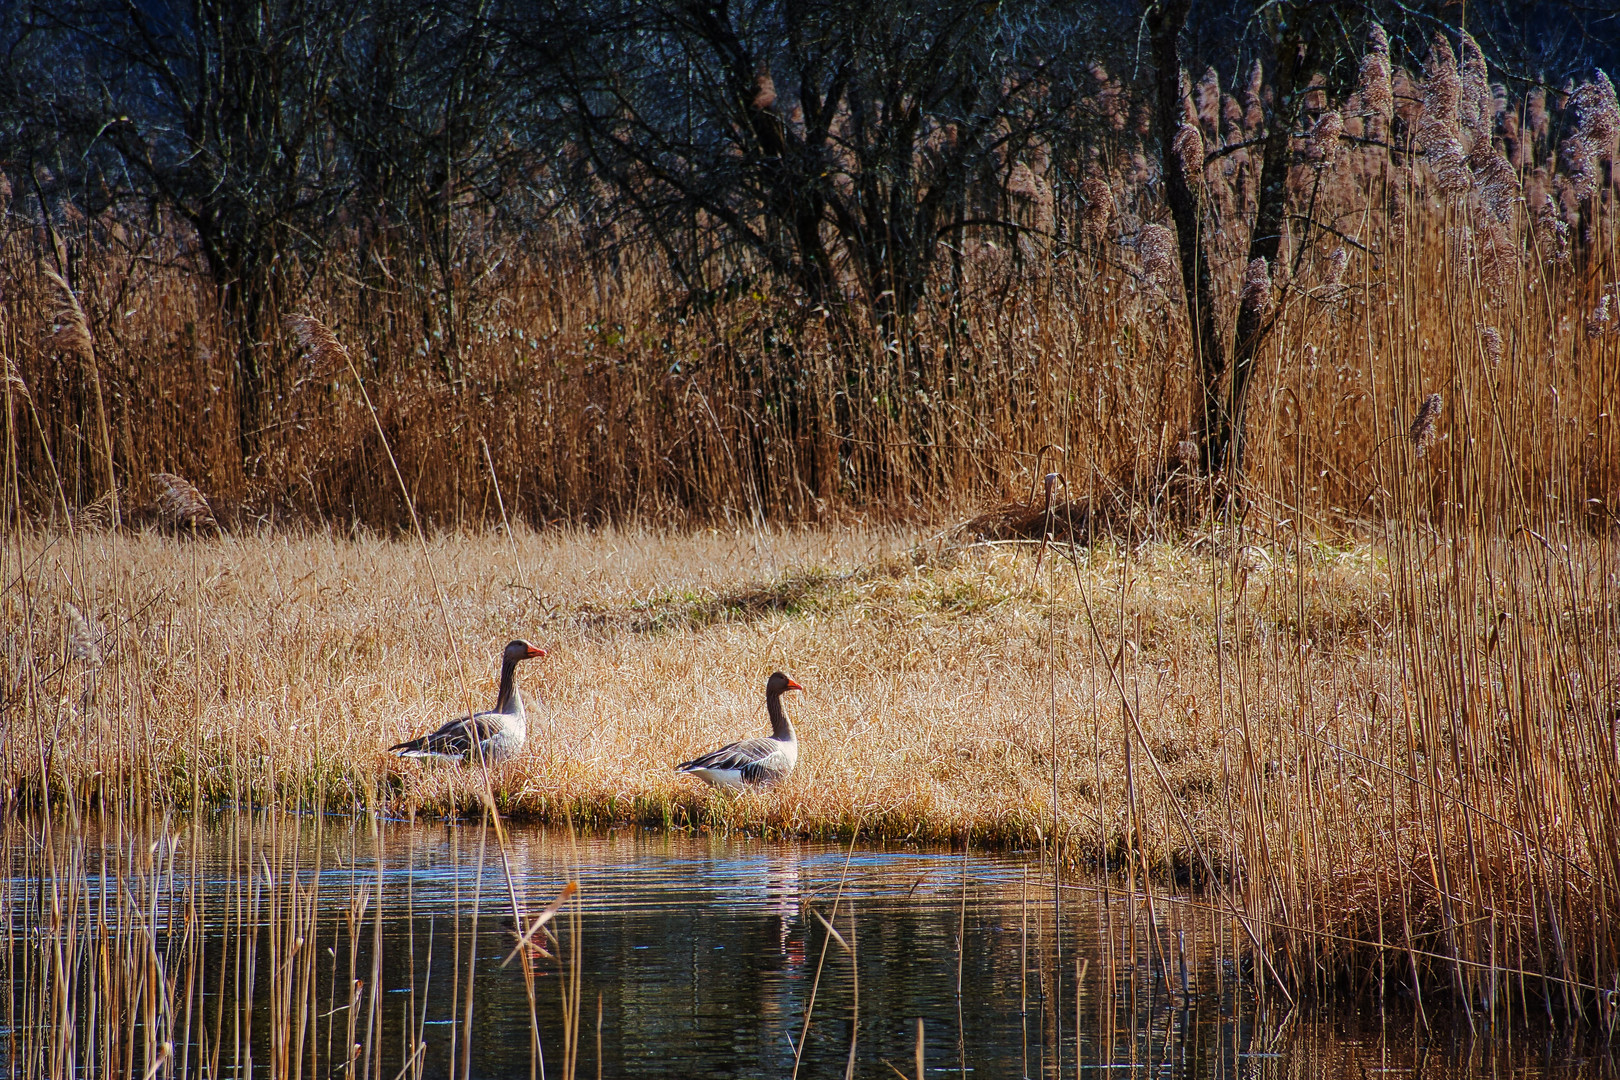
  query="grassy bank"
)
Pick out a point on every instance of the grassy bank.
point(1398, 755)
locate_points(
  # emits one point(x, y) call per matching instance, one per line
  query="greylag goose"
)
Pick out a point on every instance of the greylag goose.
point(491, 736)
point(754, 761)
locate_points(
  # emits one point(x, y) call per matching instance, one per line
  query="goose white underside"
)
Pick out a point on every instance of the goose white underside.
point(429, 755)
point(721, 778)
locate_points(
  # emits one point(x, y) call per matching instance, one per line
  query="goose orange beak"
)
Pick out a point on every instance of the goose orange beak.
point(535, 651)
point(793, 685)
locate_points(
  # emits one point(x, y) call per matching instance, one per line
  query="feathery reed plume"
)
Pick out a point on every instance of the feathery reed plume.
point(1338, 261)
point(1597, 112)
point(1536, 114)
point(1476, 107)
point(1322, 141)
point(325, 352)
point(1603, 321)
point(72, 330)
point(1254, 110)
point(1099, 209)
point(1584, 169)
point(1373, 84)
point(1491, 340)
point(1437, 130)
point(1113, 104)
point(1552, 231)
point(1257, 290)
point(1189, 107)
point(1209, 102)
point(83, 637)
point(1232, 118)
point(1499, 189)
point(72, 333)
point(1398, 211)
point(1186, 454)
point(96, 516)
point(1442, 85)
point(1189, 149)
point(1597, 123)
point(181, 505)
point(1157, 248)
point(1423, 424)
point(1495, 255)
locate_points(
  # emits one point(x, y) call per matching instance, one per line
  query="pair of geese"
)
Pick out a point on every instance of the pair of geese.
point(499, 734)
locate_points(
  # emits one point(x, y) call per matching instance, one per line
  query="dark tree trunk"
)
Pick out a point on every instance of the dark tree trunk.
point(1182, 193)
point(1264, 243)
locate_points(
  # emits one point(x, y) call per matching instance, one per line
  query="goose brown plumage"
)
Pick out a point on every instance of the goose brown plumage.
point(490, 736)
point(754, 762)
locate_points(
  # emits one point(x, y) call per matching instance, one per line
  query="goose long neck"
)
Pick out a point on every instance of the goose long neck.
point(509, 700)
point(781, 726)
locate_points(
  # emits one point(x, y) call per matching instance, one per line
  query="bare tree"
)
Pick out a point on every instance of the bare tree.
point(838, 142)
point(214, 109)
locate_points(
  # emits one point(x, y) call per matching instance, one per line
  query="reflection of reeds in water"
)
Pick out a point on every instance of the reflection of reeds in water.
point(142, 947)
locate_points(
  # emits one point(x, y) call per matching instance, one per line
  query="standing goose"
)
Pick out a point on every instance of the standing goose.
point(491, 736)
point(754, 761)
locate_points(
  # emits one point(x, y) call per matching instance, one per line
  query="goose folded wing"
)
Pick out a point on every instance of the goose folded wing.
point(755, 759)
point(456, 738)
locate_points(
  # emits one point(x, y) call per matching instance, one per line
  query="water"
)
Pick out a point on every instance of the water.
point(280, 943)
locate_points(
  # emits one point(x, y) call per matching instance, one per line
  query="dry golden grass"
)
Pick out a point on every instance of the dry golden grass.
point(927, 712)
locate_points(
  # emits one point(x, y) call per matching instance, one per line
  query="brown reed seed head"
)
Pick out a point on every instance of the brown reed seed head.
point(14, 377)
point(181, 505)
point(1322, 144)
point(1477, 106)
point(1337, 263)
point(1442, 85)
point(1209, 100)
point(1423, 424)
point(1552, 231)
point(1189, 150)
point(1254, 112)
point(1186, 454)
point(1495, 255)
point(1437, 129)
point(1257, 290)
point(1603, 320)
point(1499, 189)
point(1099, 210)
point(1375, 75)
point(72, 329)
point(1157, 248)
point(1491, 339)
point(325, 353)
point(1597, 123)
point(1597, 112)
point(83, 637)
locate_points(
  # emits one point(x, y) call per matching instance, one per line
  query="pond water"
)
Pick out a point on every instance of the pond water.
point(261, 945)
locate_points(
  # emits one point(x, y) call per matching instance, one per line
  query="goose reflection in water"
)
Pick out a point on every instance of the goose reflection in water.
point(784, 906)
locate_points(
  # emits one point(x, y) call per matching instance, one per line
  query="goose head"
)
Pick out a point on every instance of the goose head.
point(779, 683)
point(521, 650)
